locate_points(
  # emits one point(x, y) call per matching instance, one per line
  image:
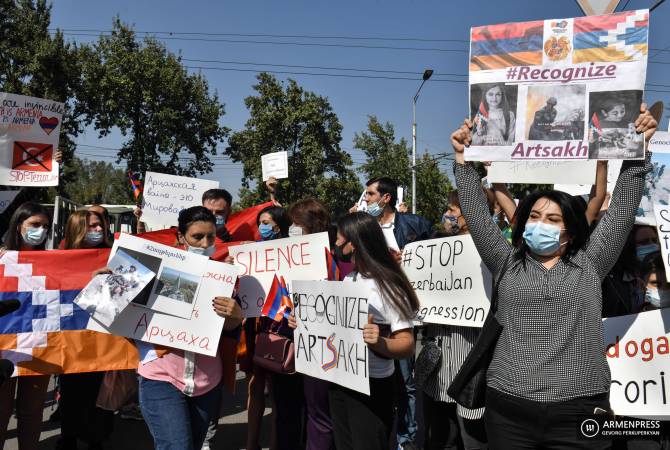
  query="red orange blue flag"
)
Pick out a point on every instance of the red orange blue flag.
point(278, 304)
point(333, 270)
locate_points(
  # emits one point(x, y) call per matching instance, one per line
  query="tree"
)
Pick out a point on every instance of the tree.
point(285, 117)
point(32, 62)
point(98, 182)
point(143, 89)
point(384, 156)
point(433, 188)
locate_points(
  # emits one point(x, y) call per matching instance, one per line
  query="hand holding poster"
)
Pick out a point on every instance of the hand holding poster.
point(296, 258)
point(29, 133)
point(450, 279)
point(558, 89)
point(274, 165)
point(329, 339)
point(164, 196)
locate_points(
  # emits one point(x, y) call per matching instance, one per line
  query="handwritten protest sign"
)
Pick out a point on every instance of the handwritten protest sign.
point(165, 195)
point(29, 132)
point(450, 279)
point(296, 258)
point(178, 274)
point(542, 172)
point(329, 339)
point(6, 199)
point(613, 170)
point(637, 349)
point(657, 183)
point(558, 89)
point(198, 333)
point(274, 165)
point(662, 214)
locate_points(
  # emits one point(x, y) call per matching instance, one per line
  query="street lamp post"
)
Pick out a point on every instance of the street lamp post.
point(426, 75)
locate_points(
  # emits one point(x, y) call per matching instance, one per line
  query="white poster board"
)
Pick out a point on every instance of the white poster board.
point(450, 279)
point(329, 339)
point(275, 165)
point(638, 349)
point(178, 274)
point(294, 258)
point(542, 172)
point(613, 170)
point(6, 199)
point(662, 214)
point(164, 196)
point(657, 183)
point(558, 89)
point(29, 132)
point(200, 333)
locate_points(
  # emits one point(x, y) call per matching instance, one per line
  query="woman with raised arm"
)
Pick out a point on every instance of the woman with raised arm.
point(548, 369)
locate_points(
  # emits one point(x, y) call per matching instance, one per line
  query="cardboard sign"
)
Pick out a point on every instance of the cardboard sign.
point(450, 279)
point(613, 170)
point(329, 339)
point(178, 274)
point(662, 214)
point(29, 133)
point(657, 183)
point(637, 349)
point(275, 165)
point(199, 333)
point(542, 172)
point(164, 196)
point(558, 89)
point(295, 258)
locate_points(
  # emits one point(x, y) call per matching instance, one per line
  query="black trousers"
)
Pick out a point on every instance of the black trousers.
point(289, 411)
point(515, 423)
point(80, 418)
point(446, 430)
point(362, 422)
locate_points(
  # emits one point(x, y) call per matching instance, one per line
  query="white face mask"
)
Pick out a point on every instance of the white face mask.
point(209, 251)
point(659, 298)
point(295, 230)
point(34, 236)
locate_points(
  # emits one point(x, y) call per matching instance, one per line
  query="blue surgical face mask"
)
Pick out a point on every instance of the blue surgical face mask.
point(94, 238)
point(34, 236)
point(220, 221)
point(267, 232)
point(374, 209)
point(542, 238)
point(209, 251)
point(643, 251)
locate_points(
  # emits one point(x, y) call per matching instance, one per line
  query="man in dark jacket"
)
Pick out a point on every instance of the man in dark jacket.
point(399, 230)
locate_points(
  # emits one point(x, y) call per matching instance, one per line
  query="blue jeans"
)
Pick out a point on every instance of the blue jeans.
point(406, 428)
point(175, 420)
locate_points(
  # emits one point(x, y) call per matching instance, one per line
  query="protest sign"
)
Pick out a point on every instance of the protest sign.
point(597, 7)
point(329, 338)
point(657, 183)
point(558, 89)
point(6, 199)
point(29, 132)
point(295, 258)
point(198, 333)
point(542, 172)
point(613, 170)
point(662, 215)
point(637, 349)
point(106, 295)
point(275, 165)
point(450, 279)
point(164, 196)
point(178, 274)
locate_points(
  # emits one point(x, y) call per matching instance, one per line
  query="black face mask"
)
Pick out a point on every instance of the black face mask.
point(340, 256)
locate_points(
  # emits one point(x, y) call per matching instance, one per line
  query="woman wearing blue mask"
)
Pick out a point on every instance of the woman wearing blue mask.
point(548, 367)
point(273, 223)
point(28, 229)
point(80, 417)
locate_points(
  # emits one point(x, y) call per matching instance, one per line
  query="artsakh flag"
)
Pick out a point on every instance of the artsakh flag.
point(278, 304)
point(611, 38)
point(47, 334)
point(506, 45)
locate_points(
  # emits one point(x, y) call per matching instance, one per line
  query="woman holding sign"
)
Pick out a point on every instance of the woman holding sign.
point(548, 368)
point(180, 392)
point(361, 421)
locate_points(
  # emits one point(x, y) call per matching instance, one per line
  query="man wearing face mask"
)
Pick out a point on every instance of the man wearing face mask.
point(399, 230)
point(219, 202)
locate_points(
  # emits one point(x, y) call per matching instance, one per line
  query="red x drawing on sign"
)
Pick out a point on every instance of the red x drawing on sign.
point(32, 157)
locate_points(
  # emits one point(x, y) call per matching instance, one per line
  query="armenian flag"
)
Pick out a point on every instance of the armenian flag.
point(611, 38)
point(278, 304)
point(333, 269)
point(506, 45)
point(594, 124)
point(47, 334)
point(135, 184)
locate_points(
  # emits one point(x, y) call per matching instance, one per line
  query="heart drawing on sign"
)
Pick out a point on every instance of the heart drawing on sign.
point(48, 124)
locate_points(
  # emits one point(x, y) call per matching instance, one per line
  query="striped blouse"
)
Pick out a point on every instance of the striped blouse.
point(551, 347)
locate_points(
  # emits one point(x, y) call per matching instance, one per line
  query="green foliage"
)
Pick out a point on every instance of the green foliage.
point(98, 182)
point(384, 156)
point(285, 117)
point(143, 90)
point(432, 187)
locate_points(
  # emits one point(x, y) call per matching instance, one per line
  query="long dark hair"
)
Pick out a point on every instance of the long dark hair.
point(504, 104)
point(310, 214)
point(13, 238)
point(194, 214)
point(573, 218)
point(279, 216)
point(373, 260)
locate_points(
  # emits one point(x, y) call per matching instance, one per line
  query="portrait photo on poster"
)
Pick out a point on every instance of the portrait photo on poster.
point(612, 132)
point(150, 262)
point(493, 111)
point(555, 112)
